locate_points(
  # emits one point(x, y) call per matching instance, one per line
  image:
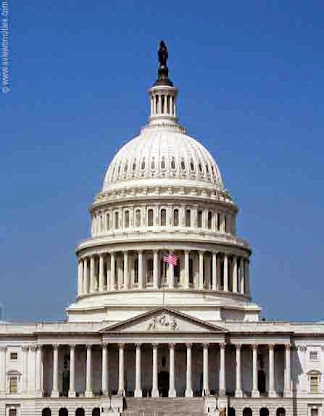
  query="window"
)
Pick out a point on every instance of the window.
point(188, 218)
point(12, 412)
point(218, 221)
point(153, 164)
point(314, 412)
point(13, 356)
point(13, 384)
point(176, 217)
point(210, 218)
point(134, 165)
point(116, 220)
point(183, 165)
point(126, 219)
point(143, 164)
point(199, 219)
point(173, 165)
point(163, 217)
point(313, 355)
point(108, 221)
point(163, 163)
point(150, 217)
point(137, 218)
point(192, 166)
point(314, 383)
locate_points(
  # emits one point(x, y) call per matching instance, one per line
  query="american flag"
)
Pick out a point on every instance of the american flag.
point(171, 259)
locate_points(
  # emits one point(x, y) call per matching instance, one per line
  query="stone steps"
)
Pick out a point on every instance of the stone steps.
point(164, 406)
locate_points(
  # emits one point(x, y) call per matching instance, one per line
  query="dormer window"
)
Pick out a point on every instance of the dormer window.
point(143, 164)
point(163, 163)
point(173, 165)
point(183, 165)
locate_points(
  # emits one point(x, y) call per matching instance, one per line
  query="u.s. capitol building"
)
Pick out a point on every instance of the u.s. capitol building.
point(163, 322)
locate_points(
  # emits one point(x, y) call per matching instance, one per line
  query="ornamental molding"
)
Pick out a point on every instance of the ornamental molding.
point(163, 322)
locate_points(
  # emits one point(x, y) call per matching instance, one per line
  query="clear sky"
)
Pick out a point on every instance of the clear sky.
point(250, 75)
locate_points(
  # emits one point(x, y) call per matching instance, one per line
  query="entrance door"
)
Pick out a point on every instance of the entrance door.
point(163, 380)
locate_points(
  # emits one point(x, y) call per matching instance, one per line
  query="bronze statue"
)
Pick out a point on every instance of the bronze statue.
point(163, 54)
point(163, 71)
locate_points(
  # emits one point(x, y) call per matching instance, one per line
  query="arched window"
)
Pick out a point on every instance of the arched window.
point(126, 219)
point(281, 412)
point(138, 218)
point(200, 167)
point(163, 217)
point(188, 218)
point(153, 163)
point(176, 217)
point(163, 163)
point(192, 166)
point(199, 219)
point(134, 165)
point(143, 163)
point(108, 221)
point(116, 220)
point(79, 412)
point(183, 165)
point(264, 411)
point(210, 219)
point(247, 412)
point(63, 412)
point(125, 167)
point(96, 411)
point(46, 412)
point(173, 165)
point(150, 217)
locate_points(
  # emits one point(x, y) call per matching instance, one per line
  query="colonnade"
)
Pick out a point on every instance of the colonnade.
point(172, 391)
point(143, 269)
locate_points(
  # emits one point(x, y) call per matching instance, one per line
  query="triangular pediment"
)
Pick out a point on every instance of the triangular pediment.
point(164, 320)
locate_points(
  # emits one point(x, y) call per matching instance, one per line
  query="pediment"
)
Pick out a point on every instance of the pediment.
point(164, 320)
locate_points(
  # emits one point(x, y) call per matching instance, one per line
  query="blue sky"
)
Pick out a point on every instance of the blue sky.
point(250, 76)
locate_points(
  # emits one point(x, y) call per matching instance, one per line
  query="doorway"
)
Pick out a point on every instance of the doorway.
point(163, 383)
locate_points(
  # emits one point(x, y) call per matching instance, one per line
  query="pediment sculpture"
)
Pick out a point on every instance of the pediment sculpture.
point(163, 322)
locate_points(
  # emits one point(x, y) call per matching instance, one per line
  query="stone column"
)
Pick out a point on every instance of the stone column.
point(272, 391)
point(246, 275)
point(171, 276)
point(156, 269)
point(25, 368)
point(88, 392)
point(72, 372)
point(3, 354)
point(238, 388)
point(92, 274)
point(104, 370)
point(85, 276)
point(255, 390)
point(222, 382)
point(155, 390)
point(101, 272)
point(140, 270)
point(225, 273)
point(189, 392)
point(55, 392)
point(201, 270)
point(121, 387)
point(39, 371)
point(205, 371)
point(80, 277)
point(235, 274)
point(112, 271)
point(242, 276)
point(126, 277)
point(214, 271)
point(172, 390)
point(138, 371)
point(186, 269)
point(287, 385)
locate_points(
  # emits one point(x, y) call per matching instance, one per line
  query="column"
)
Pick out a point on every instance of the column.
point(72, 372)
point(80, 277)
point(272, 392)
point(255, 390)
point(112, 271)
point(172, 391)
point(235, 274)
point(186, 269)
point(242, 276)
point(92, 274)
point(246, 275)
point(205, 371)
point(225, 273)
point(140, 270)
point(104, 370)
point(138, 371)
point(238, 388)
point(39, 371)
point(189, 392)
point(55, 392)
point(201, 270)
point(171, 275)
point(287, 384)
point(101, 272)
point(121, 388)
point(3, 353)
point(120, 273)
point(126, 277)
point(156, 269)
point(222, 383)
point(25, 368)
point(88, 392)
point(85, 276)
point(155, 390)
point(214, 271)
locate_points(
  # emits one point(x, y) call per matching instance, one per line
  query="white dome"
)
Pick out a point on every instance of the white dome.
point(163, 152)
